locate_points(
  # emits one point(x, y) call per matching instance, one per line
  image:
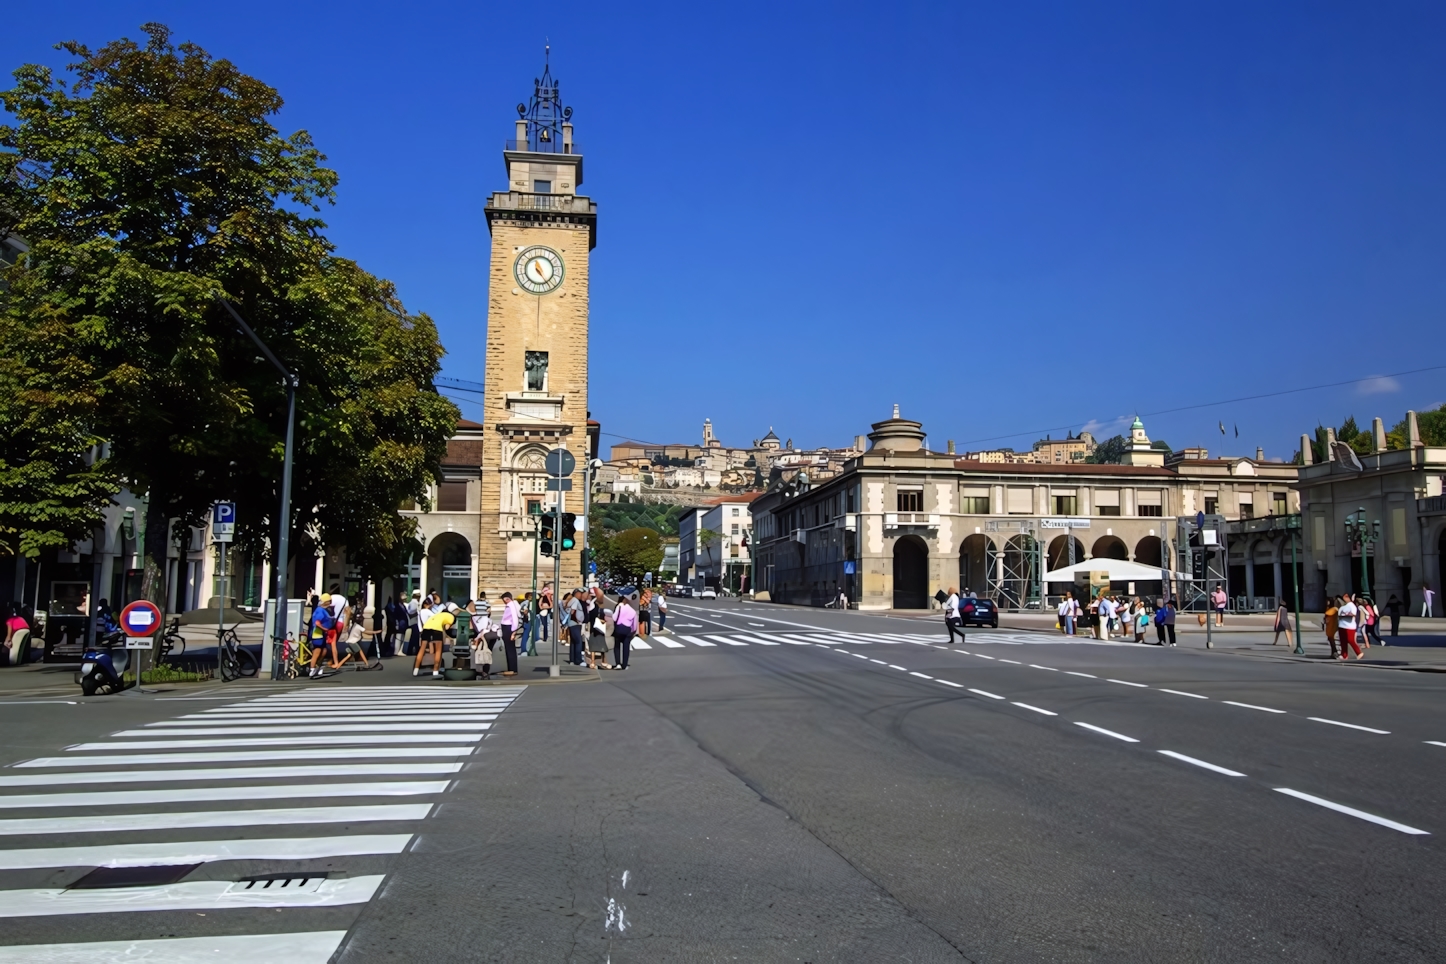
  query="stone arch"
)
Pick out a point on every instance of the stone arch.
point(530, 458)
point(1057, 557)
point(911, 573)
point(974, 559)
point(1148, 551)
point(1110, 547)
point(449, 554)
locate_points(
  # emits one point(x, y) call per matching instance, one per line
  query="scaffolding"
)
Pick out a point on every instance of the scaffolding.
point(1014, 572)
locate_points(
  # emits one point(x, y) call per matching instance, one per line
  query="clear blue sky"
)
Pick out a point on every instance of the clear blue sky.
point(1005, 217)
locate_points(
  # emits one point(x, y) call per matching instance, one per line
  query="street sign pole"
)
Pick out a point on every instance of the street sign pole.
point(554, 669)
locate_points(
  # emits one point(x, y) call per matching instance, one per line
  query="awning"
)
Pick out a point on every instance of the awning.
point(1120, 570)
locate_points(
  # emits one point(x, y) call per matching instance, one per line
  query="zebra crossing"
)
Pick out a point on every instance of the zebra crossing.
point(696, 640)
point(172, 818)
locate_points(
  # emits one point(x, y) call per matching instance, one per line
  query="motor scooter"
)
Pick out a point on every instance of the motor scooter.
point(103, 668)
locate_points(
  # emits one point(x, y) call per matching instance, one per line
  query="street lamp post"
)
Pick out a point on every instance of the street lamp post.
point(1363, 535)
point(283, 539)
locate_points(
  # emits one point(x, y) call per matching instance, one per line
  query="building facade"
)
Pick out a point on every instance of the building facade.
point(543, 231)
point(901, 523)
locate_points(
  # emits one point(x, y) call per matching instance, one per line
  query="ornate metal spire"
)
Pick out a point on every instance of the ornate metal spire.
point(545, 115)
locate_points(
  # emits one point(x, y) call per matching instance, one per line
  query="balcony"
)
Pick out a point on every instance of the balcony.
point(527, 201)
point(542, 147)
point(1432, 505)
point(899, 520)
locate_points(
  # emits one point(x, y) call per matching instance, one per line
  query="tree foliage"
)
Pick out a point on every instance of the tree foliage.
point(630, 553)
point(617, 516)
point(151, 185)
point(1109, 452)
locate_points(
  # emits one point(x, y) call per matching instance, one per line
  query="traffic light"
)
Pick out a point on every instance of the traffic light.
point(549, 533)
point(569, 530)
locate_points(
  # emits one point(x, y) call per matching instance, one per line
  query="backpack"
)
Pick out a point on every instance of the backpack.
point(1160, 616)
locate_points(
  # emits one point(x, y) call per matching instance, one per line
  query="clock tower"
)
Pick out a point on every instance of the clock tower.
point(542, 231)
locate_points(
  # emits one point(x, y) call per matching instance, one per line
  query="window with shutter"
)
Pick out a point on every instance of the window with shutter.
point(1021, 501)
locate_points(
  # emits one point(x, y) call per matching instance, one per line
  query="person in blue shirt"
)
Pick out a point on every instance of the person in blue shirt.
point(322, 633)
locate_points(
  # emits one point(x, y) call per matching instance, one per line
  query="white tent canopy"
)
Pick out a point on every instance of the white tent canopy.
point(1120, 570)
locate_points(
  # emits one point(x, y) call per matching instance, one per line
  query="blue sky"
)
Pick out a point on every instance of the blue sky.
point(1004, 217)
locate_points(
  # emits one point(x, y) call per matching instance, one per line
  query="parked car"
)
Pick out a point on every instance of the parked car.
point(708, 593)
point(982, 613)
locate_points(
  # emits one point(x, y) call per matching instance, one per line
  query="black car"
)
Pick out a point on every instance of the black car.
point(979, 612)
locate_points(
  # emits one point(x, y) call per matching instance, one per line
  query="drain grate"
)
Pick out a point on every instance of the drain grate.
point(274, 883)
point(106, 877)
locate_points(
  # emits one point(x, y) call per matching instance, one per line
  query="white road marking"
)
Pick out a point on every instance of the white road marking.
point(1125, 682)
point(671, 644)
point(759, 625)
point(982, 656)
point(920, 675)
point(203, 851)
point(1352, 811)
point(247, 710)
point(882, 663)
point(858, 655)
point(314, 730)
point(229, 773)
point(1037, 666)
point(1201, 763)
point(1351, 726)
point(899, 668)
point(1193, 696)
point(701, 641)
point(248, 756)
point(1100, 729)
point(1436, 743)
point(119, 798)
point(328, 718)
point(413, 739)
point(1252, 706)
point(193, 895)
point(639, 644)
point(1014, 661)
point(1071, 672)
point(790, 640)
point(103, 823)
point(986, 693)
point(757, 640)
point(316, 947)
point(1035, 709)
point(957, 686)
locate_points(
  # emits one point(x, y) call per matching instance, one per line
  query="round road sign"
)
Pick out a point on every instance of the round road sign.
point(140, 618)
point(560, 463)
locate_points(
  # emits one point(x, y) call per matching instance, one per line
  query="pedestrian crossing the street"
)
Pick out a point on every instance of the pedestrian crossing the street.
point(222, 816)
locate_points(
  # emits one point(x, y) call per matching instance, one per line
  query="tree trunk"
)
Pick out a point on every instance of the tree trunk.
point(153, 576)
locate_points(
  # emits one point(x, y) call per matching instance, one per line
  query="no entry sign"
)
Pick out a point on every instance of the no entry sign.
point(140, 621)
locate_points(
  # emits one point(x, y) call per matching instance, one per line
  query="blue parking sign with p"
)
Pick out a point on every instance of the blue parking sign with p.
point(223, 521)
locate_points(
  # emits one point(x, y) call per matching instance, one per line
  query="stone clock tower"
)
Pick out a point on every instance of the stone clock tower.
point(537, 328)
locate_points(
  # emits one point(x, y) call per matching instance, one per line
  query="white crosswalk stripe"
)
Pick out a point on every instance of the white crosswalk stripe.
point(274, 781)
point(719, 639)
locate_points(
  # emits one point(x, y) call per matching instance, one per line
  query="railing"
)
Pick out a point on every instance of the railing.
point(1431, 505)
point(525, 201)
point(543, 147)
point(893, 520)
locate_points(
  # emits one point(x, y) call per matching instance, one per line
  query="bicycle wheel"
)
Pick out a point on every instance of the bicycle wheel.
point(246, 662)
point(228, 665)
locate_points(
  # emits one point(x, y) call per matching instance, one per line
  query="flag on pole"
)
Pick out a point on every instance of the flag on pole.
point(1237, 431)
point(1222, 428)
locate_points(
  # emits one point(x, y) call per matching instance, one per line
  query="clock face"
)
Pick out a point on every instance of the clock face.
point(538, 269)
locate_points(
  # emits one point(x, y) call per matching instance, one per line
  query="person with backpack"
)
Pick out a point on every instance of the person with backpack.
point(952, 622)
point(1165, 622)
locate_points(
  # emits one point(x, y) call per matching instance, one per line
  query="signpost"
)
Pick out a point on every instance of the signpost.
point(140, 621)
point(223, 530)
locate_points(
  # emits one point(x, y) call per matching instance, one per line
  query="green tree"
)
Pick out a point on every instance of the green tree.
point(630, 553)
point(1431, 424)
point(148, 187)
point(1109, 452)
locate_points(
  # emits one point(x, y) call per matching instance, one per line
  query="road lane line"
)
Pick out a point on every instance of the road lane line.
point(669, 643)
point(1193, 696)
point(1351, 726)
point(418, 739)
point(1037, 666)
point(1071, 672)
point(701, 641)
point(899, 668)
point(1340, 808)
point(314, 947)
point(120, 798)
point(879, 661)
point(330, 718)
point(859, 655)
point(247, 756)
point(103, 823)
point(755, 640)
point(328, 729)
point(1436, 743)
point(957, 686)
point(1036, 709)
point(1201, 763)
point(203, 851)
point(992, 696)
point(1100, 729)
point(1252, 706)
point(188, 895)
point(229, 773)
point(920, 675)
point(982, 656)
point(1125, 682)
point(1014, 661)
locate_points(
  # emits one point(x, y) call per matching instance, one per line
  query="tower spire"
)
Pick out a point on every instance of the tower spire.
point(546, 121)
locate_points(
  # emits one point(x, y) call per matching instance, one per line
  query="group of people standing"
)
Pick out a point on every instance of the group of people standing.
point(1112, 615)
point(1352, 620)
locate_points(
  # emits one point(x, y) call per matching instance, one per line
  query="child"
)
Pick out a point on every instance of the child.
point(355, 635)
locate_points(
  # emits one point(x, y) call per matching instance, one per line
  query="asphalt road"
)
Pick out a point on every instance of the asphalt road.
point(763, 784)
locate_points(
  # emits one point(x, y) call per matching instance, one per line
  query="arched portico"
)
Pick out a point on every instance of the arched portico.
point(1058, 554)
point(1110, 547)
point(449, 567)
point(911, 573)
point(974, 559)
point(1148, 551)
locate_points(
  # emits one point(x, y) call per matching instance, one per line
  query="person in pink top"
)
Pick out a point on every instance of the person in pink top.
point(511, 619)
point(625, 627)
point(14, 625)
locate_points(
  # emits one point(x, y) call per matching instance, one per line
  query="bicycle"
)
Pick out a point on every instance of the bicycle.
point(286, 660)
point(234, 660)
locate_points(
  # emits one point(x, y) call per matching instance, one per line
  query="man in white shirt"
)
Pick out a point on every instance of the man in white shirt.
point(1106, 610)
point(1427, 595)
point(951, 615)
point(1346, 626)
point(1068, 610)
point(414, 625)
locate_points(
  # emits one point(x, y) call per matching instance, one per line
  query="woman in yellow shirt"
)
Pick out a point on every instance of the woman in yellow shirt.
point(434, 632)
point(1329, 623)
